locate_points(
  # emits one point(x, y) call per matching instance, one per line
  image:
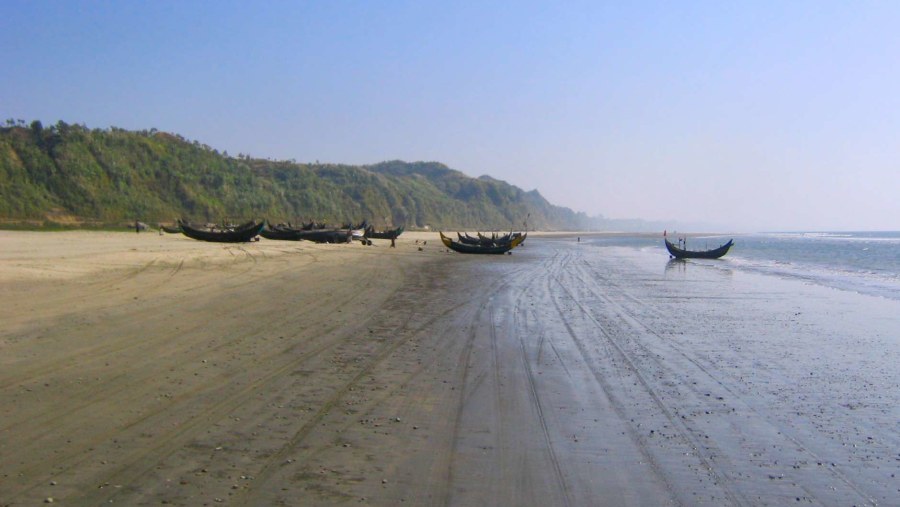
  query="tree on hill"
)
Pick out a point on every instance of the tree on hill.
point(115, 175)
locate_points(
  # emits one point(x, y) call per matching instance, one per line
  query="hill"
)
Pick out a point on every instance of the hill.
point(71, 174)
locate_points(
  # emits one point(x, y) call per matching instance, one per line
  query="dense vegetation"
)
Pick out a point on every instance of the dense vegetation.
point(71, 174)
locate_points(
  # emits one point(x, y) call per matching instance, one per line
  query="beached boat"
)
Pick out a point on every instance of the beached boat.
point(371, 233)
point(502, 239)
point(315, 235)
point(498, 239)
point(327, 235)
point(468, 240)
point(484, 240)
point(238, 234)
point(715, 253)
point(279, 232)
point(171, 229)
point(306, 226)
point(360, 226)
point(497, 248)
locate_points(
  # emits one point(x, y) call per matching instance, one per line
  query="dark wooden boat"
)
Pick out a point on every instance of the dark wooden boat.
point(171, 229)
point(501, 239)
point(360, 226)
point(371, 233)
point(327, 235)
point(314, 235)
point(484, 240)
point(496, 249)
point(468, 240)
point(494, 238)
point(279, 232)
point(238, 234)
point(715, 253)
point(308, 226)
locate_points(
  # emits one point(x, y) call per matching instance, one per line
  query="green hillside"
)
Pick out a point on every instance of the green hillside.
point(71, 174)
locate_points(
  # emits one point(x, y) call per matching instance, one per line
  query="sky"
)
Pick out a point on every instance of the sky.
point(753, 116)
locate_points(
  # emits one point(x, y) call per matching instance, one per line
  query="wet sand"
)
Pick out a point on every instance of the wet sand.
point(147, 370)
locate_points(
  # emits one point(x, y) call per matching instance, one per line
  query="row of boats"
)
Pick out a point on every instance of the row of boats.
point(249, 231)
point(319, 233)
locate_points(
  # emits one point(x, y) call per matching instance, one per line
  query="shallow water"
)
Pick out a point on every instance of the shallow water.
point(863, 262)
point(784, 387)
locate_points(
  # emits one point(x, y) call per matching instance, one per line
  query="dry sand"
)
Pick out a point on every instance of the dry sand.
point(141, 369)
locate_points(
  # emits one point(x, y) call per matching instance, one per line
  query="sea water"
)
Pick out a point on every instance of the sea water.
point(864, 262)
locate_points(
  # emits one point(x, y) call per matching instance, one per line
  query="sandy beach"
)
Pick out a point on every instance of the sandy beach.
point(141, 369)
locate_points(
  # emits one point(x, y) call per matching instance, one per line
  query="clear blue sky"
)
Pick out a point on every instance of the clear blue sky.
point(753, 115)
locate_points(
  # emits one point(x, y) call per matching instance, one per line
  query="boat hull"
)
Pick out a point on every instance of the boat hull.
point(476, 249)
point(241, 234)
point(715, 253)
point(315, 235)
point(391, 234)
point(171, 229)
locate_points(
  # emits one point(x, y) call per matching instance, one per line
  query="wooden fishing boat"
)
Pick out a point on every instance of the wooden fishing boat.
point(484, 240)
point(371, 233)
point(715, 253)
point(468, 240)
point(279, 232)
point(306, 226)
point(171, 229)
point(238, 234)
point(497, 239)
point(362, 225)
point(501, 239)
point(327, 235)
point(497, 249)
point(314, 235)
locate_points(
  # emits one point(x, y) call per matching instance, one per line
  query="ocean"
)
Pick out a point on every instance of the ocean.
point(862, 262)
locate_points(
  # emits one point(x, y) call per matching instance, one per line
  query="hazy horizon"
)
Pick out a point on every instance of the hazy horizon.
point(759, 117)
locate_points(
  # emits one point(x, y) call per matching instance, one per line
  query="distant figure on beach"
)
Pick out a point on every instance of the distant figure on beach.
point(579, 239)
point(392, 243)
point(137, 227)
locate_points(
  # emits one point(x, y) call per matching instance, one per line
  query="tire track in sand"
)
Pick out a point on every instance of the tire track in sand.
point(589, 278)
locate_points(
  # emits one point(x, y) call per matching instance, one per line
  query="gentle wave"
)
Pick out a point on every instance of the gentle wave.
point(876, 283)
point(892, 237)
